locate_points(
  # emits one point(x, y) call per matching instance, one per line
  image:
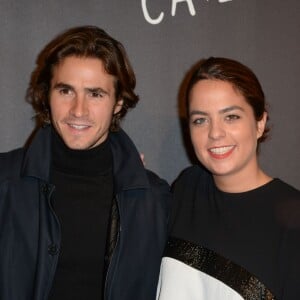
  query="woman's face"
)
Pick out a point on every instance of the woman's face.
point(223, 129)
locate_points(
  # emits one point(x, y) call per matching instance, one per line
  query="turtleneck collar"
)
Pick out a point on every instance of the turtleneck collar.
point(90, 162)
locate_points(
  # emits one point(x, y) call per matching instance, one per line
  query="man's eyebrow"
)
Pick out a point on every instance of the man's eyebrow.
point(96, 90)
point(61, 85)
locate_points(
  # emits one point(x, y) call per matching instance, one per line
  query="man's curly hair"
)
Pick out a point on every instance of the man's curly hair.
point(84, 41)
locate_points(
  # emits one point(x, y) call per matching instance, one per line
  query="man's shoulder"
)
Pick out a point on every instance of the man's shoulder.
point(156, 181)
point(159, 191)
point(10, 162)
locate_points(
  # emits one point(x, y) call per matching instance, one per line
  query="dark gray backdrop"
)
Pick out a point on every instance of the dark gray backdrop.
point(263, 34)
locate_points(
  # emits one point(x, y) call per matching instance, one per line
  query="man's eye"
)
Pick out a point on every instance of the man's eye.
point(232, 117)
point(65, 91)
point(96, 94)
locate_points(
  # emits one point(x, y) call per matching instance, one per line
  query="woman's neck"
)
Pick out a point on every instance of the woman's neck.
point(239, 183)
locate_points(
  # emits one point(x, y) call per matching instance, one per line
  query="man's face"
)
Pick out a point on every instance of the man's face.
point(82, 101)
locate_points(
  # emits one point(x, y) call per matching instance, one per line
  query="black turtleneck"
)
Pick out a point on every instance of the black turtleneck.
point(82, 201)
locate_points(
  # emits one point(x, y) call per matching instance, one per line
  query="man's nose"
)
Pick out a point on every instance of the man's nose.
point(79, 106)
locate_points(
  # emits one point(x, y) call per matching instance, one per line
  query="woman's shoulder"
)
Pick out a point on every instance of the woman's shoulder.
point(280, 188)
point(192, 174)
point(287, 203)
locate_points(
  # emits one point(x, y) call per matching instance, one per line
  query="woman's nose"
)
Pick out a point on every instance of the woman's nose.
point(216, 130)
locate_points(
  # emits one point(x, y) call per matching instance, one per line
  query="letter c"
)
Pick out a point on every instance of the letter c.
point(147, 16)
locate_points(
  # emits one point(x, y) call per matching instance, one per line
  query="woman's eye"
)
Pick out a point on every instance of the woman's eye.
point(199, 121)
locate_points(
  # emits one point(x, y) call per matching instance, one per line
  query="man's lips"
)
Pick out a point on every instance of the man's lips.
point(221, 152)
point(79, 126)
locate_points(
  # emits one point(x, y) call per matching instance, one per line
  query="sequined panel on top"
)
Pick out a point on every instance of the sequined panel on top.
point(213, 264)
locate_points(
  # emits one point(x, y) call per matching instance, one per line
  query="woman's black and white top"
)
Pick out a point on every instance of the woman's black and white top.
point(231, 245)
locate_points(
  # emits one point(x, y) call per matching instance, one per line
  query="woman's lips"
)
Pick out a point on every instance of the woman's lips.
point(221, 152)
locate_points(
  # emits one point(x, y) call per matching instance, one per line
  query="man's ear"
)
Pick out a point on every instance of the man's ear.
point(261, 125)
point(118, 106)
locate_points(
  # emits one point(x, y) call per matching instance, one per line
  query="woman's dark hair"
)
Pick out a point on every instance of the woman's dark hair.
point(241, 78)
point(85, 41)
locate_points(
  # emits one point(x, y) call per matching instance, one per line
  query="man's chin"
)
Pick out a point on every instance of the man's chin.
point(76, 145)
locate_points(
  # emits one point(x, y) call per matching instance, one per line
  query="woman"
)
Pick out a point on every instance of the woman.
point(234, 230)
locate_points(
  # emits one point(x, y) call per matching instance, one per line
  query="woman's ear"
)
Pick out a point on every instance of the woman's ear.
point(261, 125)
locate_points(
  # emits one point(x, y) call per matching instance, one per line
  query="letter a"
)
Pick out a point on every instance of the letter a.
point(189, 3)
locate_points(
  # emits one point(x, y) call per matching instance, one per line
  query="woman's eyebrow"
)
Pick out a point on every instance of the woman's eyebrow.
point(230, 108)
point(198, 112)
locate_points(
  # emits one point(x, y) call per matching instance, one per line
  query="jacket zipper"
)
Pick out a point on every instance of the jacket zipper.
point(49, 194)
point(107, 293)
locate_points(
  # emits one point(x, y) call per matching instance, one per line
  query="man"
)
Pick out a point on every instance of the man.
point(80, 217)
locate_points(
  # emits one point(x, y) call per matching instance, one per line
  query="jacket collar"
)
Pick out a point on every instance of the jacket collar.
point(128, 169)
point(37, 159)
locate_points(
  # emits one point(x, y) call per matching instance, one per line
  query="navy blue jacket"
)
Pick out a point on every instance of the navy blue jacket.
point(30, 231)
